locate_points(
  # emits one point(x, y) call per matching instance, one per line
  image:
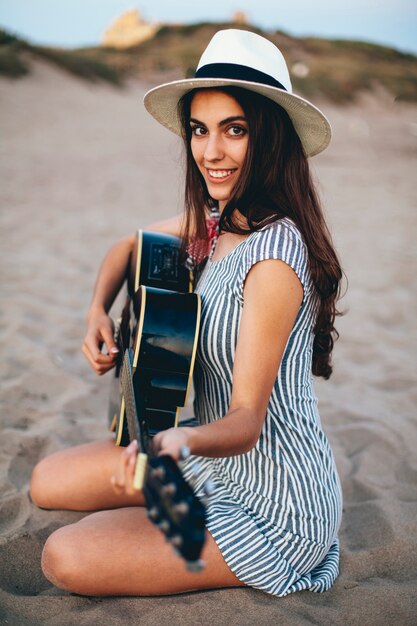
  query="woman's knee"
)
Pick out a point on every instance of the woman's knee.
point(60, 559)
point(64, 559)
point(52, 481)
point(40, 485)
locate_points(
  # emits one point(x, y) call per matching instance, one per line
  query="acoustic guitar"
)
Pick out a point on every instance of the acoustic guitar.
point(157, 338)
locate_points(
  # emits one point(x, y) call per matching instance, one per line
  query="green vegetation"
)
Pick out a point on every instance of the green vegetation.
point(340, 69)
point(80, 63)
point(11, 63)
point(16, 55)
point(337, 70)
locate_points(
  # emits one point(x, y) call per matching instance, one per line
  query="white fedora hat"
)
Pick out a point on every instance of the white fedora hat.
point(241, 58)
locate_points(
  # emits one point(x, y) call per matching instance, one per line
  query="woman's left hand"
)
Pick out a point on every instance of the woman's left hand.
point(172, 441)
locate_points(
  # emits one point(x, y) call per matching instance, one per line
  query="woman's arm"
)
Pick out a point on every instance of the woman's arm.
point(110, 279)
point(272, 298)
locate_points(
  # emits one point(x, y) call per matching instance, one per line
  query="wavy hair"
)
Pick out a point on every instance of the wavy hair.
point(275, 182)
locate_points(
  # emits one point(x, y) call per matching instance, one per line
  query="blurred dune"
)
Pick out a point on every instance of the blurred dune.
point(83, 164)
point(338, 70)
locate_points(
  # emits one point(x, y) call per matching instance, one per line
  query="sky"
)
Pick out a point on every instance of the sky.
point(76, 23)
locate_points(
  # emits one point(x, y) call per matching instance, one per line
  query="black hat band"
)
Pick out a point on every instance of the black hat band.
point(234, 71)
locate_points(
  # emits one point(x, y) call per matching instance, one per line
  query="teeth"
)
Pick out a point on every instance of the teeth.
point(220, 173)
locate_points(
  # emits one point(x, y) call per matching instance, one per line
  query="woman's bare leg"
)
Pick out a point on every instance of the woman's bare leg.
point(120, 552)
point(78, 479)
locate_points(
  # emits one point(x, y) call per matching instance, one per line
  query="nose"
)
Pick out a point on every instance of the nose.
point(213, 149)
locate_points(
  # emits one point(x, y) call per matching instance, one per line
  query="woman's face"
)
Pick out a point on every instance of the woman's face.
point(219, 141)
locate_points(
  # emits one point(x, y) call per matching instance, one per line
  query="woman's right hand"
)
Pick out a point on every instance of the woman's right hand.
point(100, 331)
point(111, 276)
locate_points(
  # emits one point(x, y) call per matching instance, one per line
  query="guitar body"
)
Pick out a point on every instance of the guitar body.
point(163, 346)
point(164, 351)
point(154, 264)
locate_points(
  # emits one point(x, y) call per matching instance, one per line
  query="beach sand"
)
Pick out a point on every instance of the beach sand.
point(82, 165)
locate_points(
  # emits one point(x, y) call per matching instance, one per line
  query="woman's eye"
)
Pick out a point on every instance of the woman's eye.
point(236, 131)
point(198, 130)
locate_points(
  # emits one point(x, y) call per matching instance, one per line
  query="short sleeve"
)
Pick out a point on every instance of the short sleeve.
point(282, 241)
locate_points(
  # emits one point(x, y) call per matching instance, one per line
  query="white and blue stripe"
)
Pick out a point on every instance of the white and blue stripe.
point(275, 510)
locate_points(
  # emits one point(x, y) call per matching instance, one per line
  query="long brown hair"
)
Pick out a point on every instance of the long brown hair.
point(275, 182)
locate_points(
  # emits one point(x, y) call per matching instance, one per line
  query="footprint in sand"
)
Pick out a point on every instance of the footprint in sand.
point(15, 509)
point(20, 573)
point(28, 452)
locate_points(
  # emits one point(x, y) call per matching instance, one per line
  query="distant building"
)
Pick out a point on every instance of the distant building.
point(128, 30)
point(239, 17)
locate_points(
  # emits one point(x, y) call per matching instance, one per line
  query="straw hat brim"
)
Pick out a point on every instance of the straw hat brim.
point(311, 125)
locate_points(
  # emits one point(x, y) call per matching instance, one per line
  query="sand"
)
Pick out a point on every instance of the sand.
point(82, 165)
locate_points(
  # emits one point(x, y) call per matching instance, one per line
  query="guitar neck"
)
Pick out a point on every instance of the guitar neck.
point(135, 414)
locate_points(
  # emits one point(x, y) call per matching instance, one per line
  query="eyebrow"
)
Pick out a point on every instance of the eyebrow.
point(228, 120)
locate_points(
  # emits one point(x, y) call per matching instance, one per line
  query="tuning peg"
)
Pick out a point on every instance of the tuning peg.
point(195, 566)
point(164, 526)
point(182, 508)
point(158, 472)
point(169, 490)
point(176, 541)
point(153, 513)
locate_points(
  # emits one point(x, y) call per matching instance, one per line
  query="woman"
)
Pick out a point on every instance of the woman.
point(268, 291)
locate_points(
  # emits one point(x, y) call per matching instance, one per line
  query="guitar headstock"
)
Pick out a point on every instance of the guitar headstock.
point(175, 509)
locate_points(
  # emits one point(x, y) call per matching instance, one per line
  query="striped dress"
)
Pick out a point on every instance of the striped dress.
point(275, 510)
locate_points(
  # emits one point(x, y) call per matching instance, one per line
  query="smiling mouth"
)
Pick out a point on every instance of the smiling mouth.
point(220, 174)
